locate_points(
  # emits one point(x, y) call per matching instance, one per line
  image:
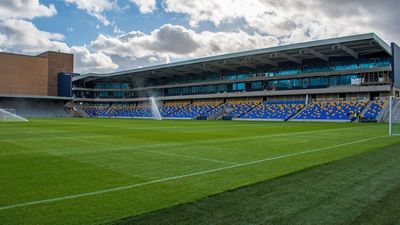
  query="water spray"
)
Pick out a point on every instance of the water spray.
point(154, 109)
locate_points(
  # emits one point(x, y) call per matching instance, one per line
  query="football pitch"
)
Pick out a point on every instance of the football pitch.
point(96, 171)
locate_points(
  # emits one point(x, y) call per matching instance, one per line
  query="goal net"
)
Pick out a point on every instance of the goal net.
point(394, 116)
point(9, 115)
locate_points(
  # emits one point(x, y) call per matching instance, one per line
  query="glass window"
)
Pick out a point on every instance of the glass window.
point(238, 87)
point(319, 81)
point(256, 86)
point(284, 84)
point(272, 84)
point(345, 79)
point(296, 83)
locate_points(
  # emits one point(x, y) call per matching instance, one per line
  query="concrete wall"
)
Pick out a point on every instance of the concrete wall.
point(24, 75)
point(29, 108)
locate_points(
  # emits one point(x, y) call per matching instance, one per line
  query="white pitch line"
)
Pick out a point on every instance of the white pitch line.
point(190, 157)
point(220, 140)
point(178, 177)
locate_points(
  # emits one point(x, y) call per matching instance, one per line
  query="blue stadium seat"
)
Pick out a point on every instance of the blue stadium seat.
point(276, 110)
point(374, 109)
point(331, 110)
point(197, 108)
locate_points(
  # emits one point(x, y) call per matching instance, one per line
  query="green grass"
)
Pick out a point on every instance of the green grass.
point(65, 171)
point(361, 189)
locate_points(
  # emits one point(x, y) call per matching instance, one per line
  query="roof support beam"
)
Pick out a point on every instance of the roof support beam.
point(205, 68)
point(223, 65)
point(196, 71)
point(249, 66)
point(264, 60)
point(269, 62)
point(348, 50)
point(246, 63)
point(291, 58)
point(177, 72)
point(226, 67)
point(317, 54)
point(208, 69)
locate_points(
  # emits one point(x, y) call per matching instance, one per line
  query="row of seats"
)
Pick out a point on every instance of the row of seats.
point(245, 109)
point(197, 108)
point(117, 110)
point(238, 107)
point(130, 111)
point(374, 109)
point(275, 110)
point(332, 110)
point(168, 108)
point(96, 110)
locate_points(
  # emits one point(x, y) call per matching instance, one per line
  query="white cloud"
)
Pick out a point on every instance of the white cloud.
point(95, 8)
point(25, 9)
point(3, 39)
point(296, 20)
point(172, 42)
point(25, 36)
point(17, 34)
point(92, 62)
point(117, 30)
point(239, 25)
point(216, 11)
point(145, 6)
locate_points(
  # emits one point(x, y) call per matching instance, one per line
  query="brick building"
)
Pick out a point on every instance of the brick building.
point(33, 75)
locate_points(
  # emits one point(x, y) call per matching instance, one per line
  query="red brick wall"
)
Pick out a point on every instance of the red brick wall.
point(58, 62)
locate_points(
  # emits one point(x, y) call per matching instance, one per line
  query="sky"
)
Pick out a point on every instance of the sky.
point(114, 35)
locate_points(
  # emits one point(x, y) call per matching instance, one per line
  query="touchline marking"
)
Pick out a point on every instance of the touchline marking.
point(178, 177)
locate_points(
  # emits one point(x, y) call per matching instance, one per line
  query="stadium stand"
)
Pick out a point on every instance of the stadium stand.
point(245, 109)
point(96, 110)
point(170, 107)
point(141, 110)
point(197, 108)
point(232, 86)
point(336, 110)
point(127, 110)
point(241, 106)
point(322, 80)
point(275, 110)
point(374, 109)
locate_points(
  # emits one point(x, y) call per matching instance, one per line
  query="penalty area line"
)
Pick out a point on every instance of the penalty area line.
point(178, 177)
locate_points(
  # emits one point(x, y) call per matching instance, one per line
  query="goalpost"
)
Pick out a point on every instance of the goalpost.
point(10, 115)
point(394, 116)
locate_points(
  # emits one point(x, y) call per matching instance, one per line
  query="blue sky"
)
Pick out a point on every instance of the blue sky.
point(86, 28)
point(110, 35)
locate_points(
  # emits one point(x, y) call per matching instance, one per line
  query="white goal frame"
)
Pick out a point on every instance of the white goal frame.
point(391, 99)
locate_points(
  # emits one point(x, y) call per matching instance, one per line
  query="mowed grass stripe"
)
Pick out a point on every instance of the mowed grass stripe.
point(212, 141)
point(360, 189)
point(44, 201)
point(148, 148)
point(47, 169)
